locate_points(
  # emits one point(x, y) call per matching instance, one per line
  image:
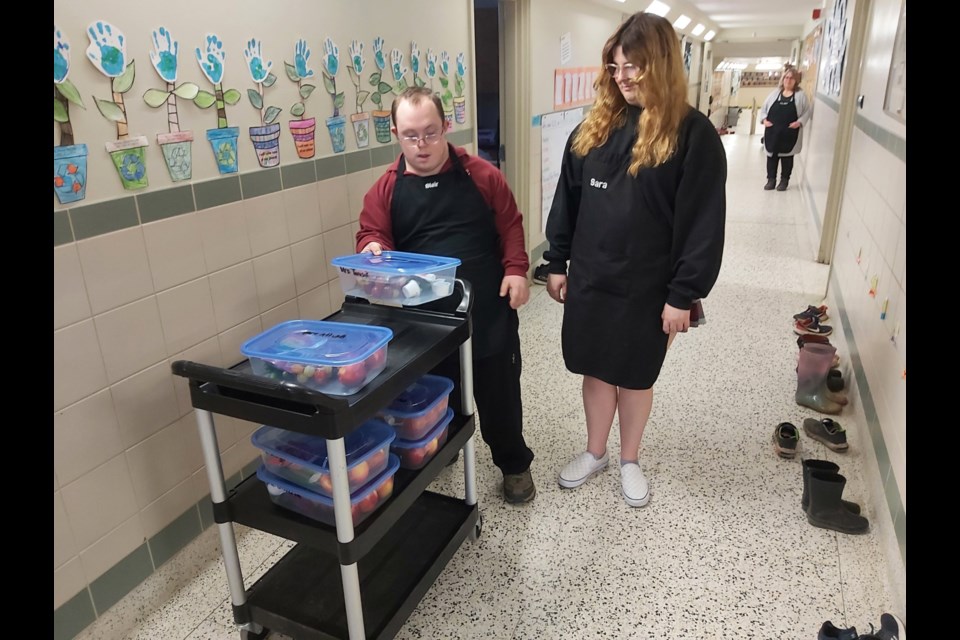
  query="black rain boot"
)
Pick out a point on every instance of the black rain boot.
point(813, 368)
point(823, 466)
point(771, 183)
point(783, 184)
point(826, 508)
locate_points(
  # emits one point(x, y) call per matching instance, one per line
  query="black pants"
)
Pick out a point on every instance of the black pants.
point(786, 167)
point(496, 391)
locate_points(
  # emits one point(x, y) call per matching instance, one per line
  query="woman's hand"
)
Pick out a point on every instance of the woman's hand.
point(767, 123)
point(794, 125)
point(675, 320)
point(557, 287)
point(372, 247)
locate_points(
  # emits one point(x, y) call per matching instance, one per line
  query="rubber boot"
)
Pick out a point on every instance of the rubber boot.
point(826, 508)
point(823, 466)
point(813, 368)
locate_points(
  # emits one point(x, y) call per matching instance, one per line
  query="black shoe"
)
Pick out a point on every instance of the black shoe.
point(827, 431)
point(518, 487)
point(783, 185)
point(540, 274)
point(830, 632)
point(823, 466)
point(826, 509)
point(770, 185)
point(785, 439)
point(891, 628)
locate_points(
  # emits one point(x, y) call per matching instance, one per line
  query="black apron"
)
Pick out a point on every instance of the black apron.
point(780, 138)
point(446, 215)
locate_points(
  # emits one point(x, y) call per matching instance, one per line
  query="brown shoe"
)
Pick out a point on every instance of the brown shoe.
point(518, 487)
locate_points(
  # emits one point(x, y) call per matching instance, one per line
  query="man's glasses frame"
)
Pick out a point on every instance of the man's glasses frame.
point(427, 139)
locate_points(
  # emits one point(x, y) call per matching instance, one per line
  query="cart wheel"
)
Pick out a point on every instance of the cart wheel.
point(477, 528)
point(246, 634)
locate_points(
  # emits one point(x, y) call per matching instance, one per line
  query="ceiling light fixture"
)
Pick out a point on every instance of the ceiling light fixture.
point(658, 8)
point(697, 30)
point(681, 22)
point(709, 35)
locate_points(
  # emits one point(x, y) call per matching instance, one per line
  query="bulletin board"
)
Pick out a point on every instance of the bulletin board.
point(555, 129)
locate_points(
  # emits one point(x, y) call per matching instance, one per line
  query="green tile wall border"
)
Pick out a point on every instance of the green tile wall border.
point(73, 616)
point(830, 102)
point(175, 536)
point(893, 500)
point(166, 203)
point(297, 175)
point(121, 578)
point(104, 217)
point(886, 139)
point(214, 193)
point(384, 155)
point(62, 233)
point(358, 161)
point(260, 183)
point(332, 167)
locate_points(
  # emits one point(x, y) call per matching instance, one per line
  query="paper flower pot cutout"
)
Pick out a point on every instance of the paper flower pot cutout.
point(130, 159)
point(381, 125)
point(361, 129)
point(266, 142)
point(70, 173)
point(69, 159)
point(336, 125)
point(303, 132)
point(224, 144)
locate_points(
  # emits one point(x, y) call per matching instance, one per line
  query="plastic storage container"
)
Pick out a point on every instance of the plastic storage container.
point(397, 277)
point(414, 454)
point(317, 507)
point(336, 358)
point(302, 459)
point(419, 408)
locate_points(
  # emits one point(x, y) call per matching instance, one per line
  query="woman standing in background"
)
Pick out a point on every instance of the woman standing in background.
point(784, 113)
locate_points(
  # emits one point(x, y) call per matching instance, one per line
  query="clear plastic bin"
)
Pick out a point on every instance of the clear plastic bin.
point(336, 358)
point(419, 408)
point(302, 459)
point(397, 277)
point(318, 507)
point(417, 453)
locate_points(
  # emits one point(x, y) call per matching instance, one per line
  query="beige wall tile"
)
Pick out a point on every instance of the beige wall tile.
point(145, 403)
point(85, 435)
point(309, 264)
point(274, 277)
point(266, 223)
point(315, 304)
point(358, 184)
point(337, 242)
point(302, 208)
point(112, 548)
point(900, 254)
point(68, 581)
point(186, 314)
point(175, 250)
point(336, 297)
point(115, 269)
point(223, 232)
point(64, 548)
point(207, 352)
point(334, 207)
point(231, 340)
point(131, 338)
point(78, 368)
point(98, 501)
point(226, 430)
point(234, 293)
point(238, 456)
point(282, 313)
point(170, 506)
point(70, 302)
point(165, 459)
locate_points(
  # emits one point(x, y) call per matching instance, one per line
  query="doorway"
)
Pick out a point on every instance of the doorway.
point(486, 21)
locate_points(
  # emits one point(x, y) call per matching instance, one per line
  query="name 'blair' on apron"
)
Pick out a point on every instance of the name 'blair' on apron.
point(445, 215)
point(780, 138)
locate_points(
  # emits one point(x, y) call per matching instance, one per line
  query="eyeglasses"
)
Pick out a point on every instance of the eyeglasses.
point(427, 139)
point(628, 70)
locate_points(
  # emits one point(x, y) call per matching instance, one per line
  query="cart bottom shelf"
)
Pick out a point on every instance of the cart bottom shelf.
point(302, 595)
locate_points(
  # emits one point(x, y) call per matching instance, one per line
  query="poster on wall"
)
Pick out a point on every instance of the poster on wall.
point(895, 102)
point(573, 86)
point(687, 56)
point(555, 129)
point(808, 60)
point(831, 62)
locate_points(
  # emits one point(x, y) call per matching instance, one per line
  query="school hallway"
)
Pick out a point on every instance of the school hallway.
point(723, 549)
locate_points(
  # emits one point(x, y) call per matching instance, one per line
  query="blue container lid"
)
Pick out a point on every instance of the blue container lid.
point(396, 263)
point(265, 476)
point(317, 342)
point(400, 443)
point(311, 451)
point(420, 397)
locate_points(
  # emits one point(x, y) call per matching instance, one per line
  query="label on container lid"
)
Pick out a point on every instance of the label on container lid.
point(317, 342)
point(395, 262)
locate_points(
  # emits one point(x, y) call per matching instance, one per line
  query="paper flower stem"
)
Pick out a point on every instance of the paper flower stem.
point(66, 129)
point(173, 118)
point(122, 131)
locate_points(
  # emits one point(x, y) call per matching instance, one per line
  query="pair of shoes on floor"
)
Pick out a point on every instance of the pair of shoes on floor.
point(891, 628)
point(828, 432)
point(822, 500)
point(820, 313)
point(633, 484)
point(540, 274)
point(786, 437)
point(810, 325)
point(770, 185)
point(518, 487)
point(783, 184)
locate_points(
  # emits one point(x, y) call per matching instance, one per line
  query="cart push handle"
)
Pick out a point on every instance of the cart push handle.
point(466, 296)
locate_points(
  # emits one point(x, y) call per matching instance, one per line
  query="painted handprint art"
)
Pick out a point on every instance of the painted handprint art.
point(459, 102)
point(381, 87)
point(446, 96)
point(415, 65)
point(266, 136)
point(302, 129)
point(336, 124)
point(360, 119)
point(69, 159)
point(223, 139)
point(399, 71)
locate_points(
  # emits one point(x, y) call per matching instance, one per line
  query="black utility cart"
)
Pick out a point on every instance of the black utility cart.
point(344, 582)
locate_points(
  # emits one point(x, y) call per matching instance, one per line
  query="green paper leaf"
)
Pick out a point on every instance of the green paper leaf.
point(354, 78)
point(270, 80)
point(291, 71)
point(383, 87)
point(59, 112)
point(255, 98)
point(362, 97)
point(444, 83)
point(376, 99)
point(306, 90)
point(123, 82)
point(447, 98)
point(338, 101)
point(109, 110)
point(297, 109)
point(271, 114)
point(204, 99)
point(155, 97)
point(328, 84)
point(69, 91)
point(231, 96)
point(419, 81)
point(374, 78)
point(187, 91)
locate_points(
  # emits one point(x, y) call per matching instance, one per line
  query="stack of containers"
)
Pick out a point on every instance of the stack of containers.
point(420, 416)
point(297, 473)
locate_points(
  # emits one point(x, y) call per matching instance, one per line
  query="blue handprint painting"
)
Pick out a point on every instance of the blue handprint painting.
point(303, 129)
point(381, 116)
point(336, 124)
point(69, 159)
point(266, 137)
point(360, 119)
point(107, 51)
point(223, 139)
point(460, 102)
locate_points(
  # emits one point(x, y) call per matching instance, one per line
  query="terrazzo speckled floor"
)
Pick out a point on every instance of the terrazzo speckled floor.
point(722, 550)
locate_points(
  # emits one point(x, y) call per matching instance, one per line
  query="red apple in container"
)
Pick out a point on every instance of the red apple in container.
point(415, 457)
point(369, 503)
point(358, 473)
point(352, 375)
point(385, 490)
point(322, 373)
point(376, 360)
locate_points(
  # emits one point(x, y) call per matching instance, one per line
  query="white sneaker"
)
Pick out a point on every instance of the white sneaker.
point(636, 490)
point(581, 468)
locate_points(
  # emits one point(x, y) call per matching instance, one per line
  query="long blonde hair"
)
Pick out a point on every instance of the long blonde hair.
point(649, 42)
